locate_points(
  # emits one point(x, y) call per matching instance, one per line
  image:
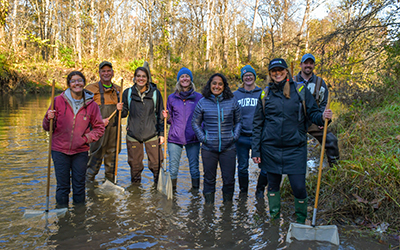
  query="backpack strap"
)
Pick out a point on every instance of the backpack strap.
point(317, 89)
point(154, 99)
point(264, 96)
point(302, 94)
point(129, 98)
point(101, 90)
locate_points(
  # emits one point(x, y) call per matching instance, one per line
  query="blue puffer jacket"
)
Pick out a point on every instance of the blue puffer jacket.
point(180, 118)
point(222, 122)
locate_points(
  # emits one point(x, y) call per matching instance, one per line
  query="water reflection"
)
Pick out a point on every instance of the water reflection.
point(142, 219)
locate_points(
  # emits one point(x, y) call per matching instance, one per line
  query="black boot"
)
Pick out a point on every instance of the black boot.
point(261, 184)
point(210, 197)
point(174, 181)
point(244, 184)
point(227, 197)
point(196, 183)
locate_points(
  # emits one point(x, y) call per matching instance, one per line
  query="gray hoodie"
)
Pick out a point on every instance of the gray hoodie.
point(77, 104)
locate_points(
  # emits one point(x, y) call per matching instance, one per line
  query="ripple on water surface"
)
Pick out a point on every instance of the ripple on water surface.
point(141, 219)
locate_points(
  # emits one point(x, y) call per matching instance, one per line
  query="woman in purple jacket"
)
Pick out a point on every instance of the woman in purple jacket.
point(180, 107)
point(77, 122)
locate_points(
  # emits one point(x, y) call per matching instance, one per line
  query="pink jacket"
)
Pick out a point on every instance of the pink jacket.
point(73, 133)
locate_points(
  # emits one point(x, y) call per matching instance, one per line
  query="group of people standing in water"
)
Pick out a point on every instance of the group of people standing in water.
point(271, 124)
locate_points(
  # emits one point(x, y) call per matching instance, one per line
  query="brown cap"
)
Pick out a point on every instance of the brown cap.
point(104, 63)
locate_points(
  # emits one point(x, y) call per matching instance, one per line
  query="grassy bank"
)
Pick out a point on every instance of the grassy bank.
point(363, 190)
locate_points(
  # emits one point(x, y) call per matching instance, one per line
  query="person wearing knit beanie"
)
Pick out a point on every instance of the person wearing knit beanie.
point(246, 69)
point(247, 96)
point(179, 112)
point(184, 70)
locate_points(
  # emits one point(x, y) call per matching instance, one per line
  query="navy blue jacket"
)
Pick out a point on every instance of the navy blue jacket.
point(222, 122)
point(280, 137)
point(248, 103)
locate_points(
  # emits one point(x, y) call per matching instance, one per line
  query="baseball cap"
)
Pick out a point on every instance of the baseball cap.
point(277, 62)
point(307, 56)
point(104, 63)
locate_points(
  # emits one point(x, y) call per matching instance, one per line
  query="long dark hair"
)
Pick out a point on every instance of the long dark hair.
point(145, 71)
point(227, 93)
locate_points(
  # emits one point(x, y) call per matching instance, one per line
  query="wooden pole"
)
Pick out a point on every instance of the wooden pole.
point(118, 132)
point(50, 141)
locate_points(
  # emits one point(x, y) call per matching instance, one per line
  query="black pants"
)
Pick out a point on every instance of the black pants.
point(227, 161)
point(297, 182)
point(331, 144)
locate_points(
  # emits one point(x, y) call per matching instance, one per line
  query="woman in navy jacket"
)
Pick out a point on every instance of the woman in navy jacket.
point(279, 138)
point(180, 107)
point(219, 112)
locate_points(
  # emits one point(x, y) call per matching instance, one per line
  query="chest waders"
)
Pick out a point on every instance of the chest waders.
point(105, 148)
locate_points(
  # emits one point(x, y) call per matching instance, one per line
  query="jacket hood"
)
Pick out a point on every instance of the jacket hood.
point(246, 91)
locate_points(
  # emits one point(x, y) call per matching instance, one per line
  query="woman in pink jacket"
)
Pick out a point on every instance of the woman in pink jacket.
point(77, 122)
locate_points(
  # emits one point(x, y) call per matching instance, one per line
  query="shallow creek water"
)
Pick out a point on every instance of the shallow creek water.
point(140, 219)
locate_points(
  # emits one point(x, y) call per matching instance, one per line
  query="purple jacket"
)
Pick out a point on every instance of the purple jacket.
point(180, 118)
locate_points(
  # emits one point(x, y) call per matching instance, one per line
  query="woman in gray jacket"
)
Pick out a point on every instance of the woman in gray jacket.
point(219, 112)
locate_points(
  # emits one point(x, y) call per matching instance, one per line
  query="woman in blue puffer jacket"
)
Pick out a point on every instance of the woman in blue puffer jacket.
point(180, 107)
point(219, 112)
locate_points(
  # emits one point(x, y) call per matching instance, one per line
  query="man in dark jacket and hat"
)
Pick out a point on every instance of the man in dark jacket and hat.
point(319, 90)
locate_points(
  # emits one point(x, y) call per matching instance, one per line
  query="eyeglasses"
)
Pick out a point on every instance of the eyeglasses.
point(80, 80)
point(247, 76)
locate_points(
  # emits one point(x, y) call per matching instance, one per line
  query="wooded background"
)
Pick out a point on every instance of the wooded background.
point(350, 42)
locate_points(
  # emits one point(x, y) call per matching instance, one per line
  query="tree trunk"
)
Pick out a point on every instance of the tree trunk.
point(14, 29)
point(91, 32)
point(210, 9)
point(252, 31)
point(78, 44)
point(236, 46)
point(225, 38)
point(300, 33)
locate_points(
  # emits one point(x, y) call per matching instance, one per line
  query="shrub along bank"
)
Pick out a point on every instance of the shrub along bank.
point(363, 190)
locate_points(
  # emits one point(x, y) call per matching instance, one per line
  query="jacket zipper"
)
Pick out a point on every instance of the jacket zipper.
point(219, 126)
point(184, 116)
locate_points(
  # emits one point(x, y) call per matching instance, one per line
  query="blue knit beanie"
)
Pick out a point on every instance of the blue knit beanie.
point(185, 71)
point(246, 69)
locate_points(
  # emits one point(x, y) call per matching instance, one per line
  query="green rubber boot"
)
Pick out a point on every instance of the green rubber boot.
point(274, 203)
point(300, 206)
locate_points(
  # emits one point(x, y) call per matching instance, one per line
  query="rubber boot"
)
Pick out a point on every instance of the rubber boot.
point(174, 181)
point(244, 184)
point(227, 197)
point(261, 184)
point(210, 197)
point(274, 203)
point(300, 206)
point(196, 183)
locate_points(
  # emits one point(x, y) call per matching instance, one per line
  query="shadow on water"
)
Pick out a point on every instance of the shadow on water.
point(140, 219)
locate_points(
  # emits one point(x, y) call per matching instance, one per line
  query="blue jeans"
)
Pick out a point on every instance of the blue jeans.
point(192, 153)
point(226, 162)
point(69, 167)
point(243, 146)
